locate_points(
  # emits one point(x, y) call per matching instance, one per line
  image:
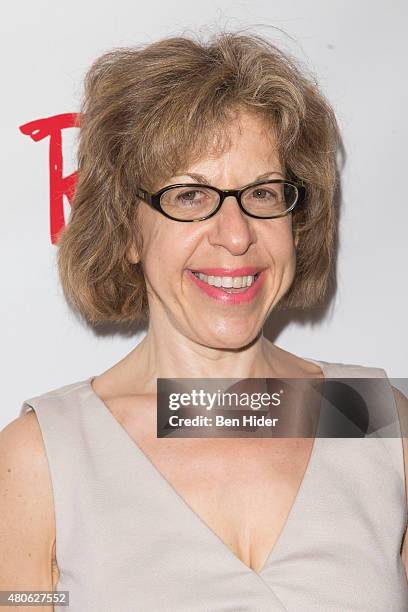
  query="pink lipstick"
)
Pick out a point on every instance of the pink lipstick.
point(227, 295)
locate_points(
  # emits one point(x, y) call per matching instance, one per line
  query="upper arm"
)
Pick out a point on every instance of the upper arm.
point(402, 407)
point(27, 527)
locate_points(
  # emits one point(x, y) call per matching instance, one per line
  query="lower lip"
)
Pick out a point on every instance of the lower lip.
point(217, 293)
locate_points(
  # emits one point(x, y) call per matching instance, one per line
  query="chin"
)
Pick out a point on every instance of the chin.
point(229, 336)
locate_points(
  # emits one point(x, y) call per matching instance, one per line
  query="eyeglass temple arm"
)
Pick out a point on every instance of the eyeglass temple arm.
point(141, 193)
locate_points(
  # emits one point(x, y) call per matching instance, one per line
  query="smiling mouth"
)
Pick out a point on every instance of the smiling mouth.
point(229, 284)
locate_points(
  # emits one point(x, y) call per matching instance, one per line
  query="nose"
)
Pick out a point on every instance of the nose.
point(232, 228)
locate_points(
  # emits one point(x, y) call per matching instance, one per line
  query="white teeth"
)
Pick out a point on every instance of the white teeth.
point(229, 282)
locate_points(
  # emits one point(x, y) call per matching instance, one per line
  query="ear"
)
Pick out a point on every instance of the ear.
point(133, 255)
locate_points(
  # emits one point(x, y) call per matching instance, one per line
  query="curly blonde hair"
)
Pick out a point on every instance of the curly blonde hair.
point(147, 112)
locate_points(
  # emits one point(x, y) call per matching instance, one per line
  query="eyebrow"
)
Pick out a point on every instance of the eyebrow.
point(200, 178)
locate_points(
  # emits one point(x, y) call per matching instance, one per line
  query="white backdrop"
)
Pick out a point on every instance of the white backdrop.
point(358, 52)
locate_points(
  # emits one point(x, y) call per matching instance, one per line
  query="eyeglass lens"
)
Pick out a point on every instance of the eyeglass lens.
point(263, 200)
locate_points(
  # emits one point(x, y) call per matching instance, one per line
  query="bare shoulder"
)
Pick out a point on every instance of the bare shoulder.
point(401, 402)
point(27, 526)
point(21, 447)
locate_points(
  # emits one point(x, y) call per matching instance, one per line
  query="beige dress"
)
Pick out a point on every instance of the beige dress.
point(127, 541)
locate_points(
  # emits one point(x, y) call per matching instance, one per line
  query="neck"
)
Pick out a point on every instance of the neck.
point(179, 357)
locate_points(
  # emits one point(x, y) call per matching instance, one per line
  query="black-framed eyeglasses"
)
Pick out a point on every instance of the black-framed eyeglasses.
point(196, 202)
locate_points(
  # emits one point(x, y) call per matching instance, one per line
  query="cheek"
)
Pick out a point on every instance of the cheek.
point(280, 243)
point(154, 247)
point(167, 251)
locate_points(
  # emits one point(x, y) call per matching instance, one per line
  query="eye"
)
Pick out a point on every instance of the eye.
point(188, 196)
point(261, 193)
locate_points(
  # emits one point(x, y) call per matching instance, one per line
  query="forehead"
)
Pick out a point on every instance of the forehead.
point(248, 142)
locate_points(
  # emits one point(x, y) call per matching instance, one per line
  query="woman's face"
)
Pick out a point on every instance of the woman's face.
point(220, 247)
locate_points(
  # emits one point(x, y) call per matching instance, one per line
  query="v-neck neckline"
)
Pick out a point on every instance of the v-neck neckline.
point(299, 497)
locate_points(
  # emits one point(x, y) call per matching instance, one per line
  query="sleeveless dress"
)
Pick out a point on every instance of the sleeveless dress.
point(126, 541)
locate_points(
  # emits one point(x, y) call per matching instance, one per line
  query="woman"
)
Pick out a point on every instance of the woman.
point(230, 134)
